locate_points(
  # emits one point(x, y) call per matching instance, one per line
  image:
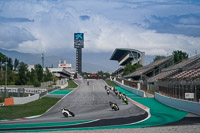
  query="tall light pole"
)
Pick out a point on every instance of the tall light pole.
point(196, 52)
point(6, 73)
point(42, 57)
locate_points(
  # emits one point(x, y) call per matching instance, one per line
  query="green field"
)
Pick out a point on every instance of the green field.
point(37, 107)
point(110, 83)
point(71, 85)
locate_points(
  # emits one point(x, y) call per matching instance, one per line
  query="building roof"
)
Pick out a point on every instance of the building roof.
point(119, 52)
point(191, 63)
point(151, 66)
point(188, 62)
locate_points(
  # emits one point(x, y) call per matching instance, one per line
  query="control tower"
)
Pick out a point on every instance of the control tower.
point(78, 44)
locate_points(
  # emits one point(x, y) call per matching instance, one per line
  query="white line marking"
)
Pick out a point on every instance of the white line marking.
point(93, 92)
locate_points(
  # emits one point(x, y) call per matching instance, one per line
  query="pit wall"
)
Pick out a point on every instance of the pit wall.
point(188, 106)
point(135, 91)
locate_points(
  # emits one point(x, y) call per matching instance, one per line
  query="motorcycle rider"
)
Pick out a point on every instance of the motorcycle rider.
point(116, 91)
point(120, 95)
point(105, 87)
point(124, 98)
point(108, 91)
point(124, 95)
point(114, 106)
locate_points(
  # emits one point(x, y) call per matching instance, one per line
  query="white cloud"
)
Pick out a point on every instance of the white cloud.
point(109, 25)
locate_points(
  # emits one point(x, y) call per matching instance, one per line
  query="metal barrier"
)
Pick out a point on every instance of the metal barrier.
point(180, 104)
point(177, 89)
point(135, 91)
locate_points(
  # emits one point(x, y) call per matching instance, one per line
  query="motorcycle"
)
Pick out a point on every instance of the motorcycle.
point(116, 92)
point(113, 89)
point(114, 106)
point(105, 87)
point(120, 96)
point(67, 112)
point(88, 83)
point(125, 100)
point(108, 92)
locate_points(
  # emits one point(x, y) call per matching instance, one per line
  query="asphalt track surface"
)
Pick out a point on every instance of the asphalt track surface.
point(88, 102)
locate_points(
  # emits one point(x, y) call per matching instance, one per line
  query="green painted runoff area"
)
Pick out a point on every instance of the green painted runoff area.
point(160, 115)
point(128, 93)
point(60, 92)
point(43, 124)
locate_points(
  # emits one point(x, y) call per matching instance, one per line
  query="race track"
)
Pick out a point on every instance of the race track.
point(88, 102)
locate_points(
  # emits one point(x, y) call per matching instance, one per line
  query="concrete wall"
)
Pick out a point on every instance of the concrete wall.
point(26, 90)
point(23, 100)
point(135, 91)
point(180, 104)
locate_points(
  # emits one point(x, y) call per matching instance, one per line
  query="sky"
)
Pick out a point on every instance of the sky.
point(156, 27)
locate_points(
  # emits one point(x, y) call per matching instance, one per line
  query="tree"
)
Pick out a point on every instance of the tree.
point(158, 57)
point(16, 64)
point(2, 58)
point(48, 75)
point(179, 56)
point(100, 73)
point(10, 64)
point(130, 68)
point(23, 69)
point(39, 72)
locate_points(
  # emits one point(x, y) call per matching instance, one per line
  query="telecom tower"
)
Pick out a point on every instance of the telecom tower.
point(78, 44)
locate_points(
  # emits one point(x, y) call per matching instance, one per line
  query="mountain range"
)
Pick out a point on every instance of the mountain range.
point(92, 62)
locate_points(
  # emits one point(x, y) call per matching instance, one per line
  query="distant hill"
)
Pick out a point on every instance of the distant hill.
point(92, 62)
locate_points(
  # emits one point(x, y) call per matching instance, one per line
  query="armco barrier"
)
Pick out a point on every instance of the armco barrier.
point(180, 104)
point(23, 100)
point(135, 91)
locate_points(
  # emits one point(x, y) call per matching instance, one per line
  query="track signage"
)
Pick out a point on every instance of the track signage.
point(78, 40)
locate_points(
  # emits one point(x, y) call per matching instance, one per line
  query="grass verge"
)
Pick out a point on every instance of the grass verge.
point(71, 85)
point(110, 83)
point(37, 107)
point(1, 99)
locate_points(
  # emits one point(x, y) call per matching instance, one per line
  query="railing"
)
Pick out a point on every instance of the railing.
point(130, 83)
point(177, 89)
point(119, 80)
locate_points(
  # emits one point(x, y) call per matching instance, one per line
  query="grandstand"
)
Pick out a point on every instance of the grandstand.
point(163, 76)
point(64, 70)
point(186, 64)
point(125, 56)
point(182, 78)
point(151, 69)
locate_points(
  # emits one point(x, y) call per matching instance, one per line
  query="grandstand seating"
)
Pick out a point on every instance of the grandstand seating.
point(161, 75)
point(186, 63)
point(149, 68)
point(173, 70)
point(187, 74)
